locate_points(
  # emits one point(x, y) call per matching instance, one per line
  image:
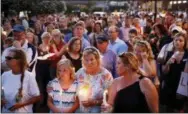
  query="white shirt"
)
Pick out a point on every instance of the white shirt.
point(11, 83)
point(165, 49)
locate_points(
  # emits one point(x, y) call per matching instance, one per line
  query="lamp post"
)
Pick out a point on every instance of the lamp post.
point(155, 16)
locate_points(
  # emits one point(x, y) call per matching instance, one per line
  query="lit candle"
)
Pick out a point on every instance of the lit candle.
point(104, 98)
point(84, 93)
point(3, 95)
point(3, 92)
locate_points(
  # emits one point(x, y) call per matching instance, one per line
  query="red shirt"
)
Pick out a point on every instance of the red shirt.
point(54, 59)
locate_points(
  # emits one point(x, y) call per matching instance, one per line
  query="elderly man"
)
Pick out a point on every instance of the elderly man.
point(20, 42)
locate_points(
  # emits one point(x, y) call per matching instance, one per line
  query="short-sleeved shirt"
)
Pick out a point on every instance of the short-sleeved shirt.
point(11, 84)
point(62, 99)
point(98, 83)
point(118, 46)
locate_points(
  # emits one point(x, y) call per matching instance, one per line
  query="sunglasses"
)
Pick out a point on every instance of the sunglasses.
point(10, 58)
point(121, 54)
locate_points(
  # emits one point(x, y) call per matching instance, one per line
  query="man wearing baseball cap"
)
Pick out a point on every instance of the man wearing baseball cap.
point(108, 56)
point(20, 42)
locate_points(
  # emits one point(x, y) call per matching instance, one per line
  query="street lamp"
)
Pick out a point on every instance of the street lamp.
point(179, 2)
point(184, 1)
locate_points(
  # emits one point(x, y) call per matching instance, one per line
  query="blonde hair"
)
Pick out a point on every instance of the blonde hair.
point(147, 48)
point(69, 65)
point(94, 51)
point(57, 31)
point(45, 34)
point(129, 59)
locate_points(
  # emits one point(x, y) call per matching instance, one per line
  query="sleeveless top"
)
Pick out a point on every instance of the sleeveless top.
point(77, 63)
point(131, 100)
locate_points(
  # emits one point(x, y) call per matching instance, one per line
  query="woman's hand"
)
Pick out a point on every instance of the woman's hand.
point(88, 103)
point(106, 108)
point(17, 44)
point(144, 55)
point(16, 106)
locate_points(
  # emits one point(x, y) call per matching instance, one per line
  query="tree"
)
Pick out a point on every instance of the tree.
point(34, 6)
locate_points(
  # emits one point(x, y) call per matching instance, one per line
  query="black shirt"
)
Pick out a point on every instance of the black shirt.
point(77, 63)
point(131, 100)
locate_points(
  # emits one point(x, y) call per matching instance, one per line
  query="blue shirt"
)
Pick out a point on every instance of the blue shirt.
point(70, 35)
point(109, 62)
point(85, 42)
point(118, 46)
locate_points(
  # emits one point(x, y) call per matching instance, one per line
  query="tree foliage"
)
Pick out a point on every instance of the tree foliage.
point(34, 6)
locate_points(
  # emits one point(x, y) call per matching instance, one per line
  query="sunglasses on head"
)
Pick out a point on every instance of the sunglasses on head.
point(122, 54)
point(10, 58)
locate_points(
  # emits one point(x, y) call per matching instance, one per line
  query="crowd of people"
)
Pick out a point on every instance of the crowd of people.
point(67, 64)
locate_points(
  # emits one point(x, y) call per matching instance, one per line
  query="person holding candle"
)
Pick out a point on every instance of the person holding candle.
point(62, 90)
point(19, 85)
point(172, 68)
point(93, 80)
point(131, 92)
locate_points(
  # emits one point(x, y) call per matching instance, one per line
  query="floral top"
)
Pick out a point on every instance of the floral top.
point(62, 99)
point(97, 83)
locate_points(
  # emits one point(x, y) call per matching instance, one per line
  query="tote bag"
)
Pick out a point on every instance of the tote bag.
point(183, 85)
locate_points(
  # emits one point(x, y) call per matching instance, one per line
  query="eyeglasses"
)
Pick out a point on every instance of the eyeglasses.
point(110, 32)
point(10, 58)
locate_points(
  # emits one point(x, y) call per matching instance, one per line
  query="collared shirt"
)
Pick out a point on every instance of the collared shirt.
point(85, 43)
point(118, 46)
point(109, 62)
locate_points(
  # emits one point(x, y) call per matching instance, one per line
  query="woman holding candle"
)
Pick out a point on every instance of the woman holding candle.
point(174, 65)
point(132, 92)
point(62, 90)
point(19, 85)
point(93, 80)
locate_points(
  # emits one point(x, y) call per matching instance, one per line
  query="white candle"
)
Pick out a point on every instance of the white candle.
point(3, 92)
point(84, 93)
point(104, 97)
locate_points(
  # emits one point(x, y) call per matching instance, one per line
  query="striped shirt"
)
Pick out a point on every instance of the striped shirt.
point(62, 99)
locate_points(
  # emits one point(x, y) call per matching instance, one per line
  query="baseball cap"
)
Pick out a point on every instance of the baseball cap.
point(18, 28)
point(179, 29)
point(102, 38)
